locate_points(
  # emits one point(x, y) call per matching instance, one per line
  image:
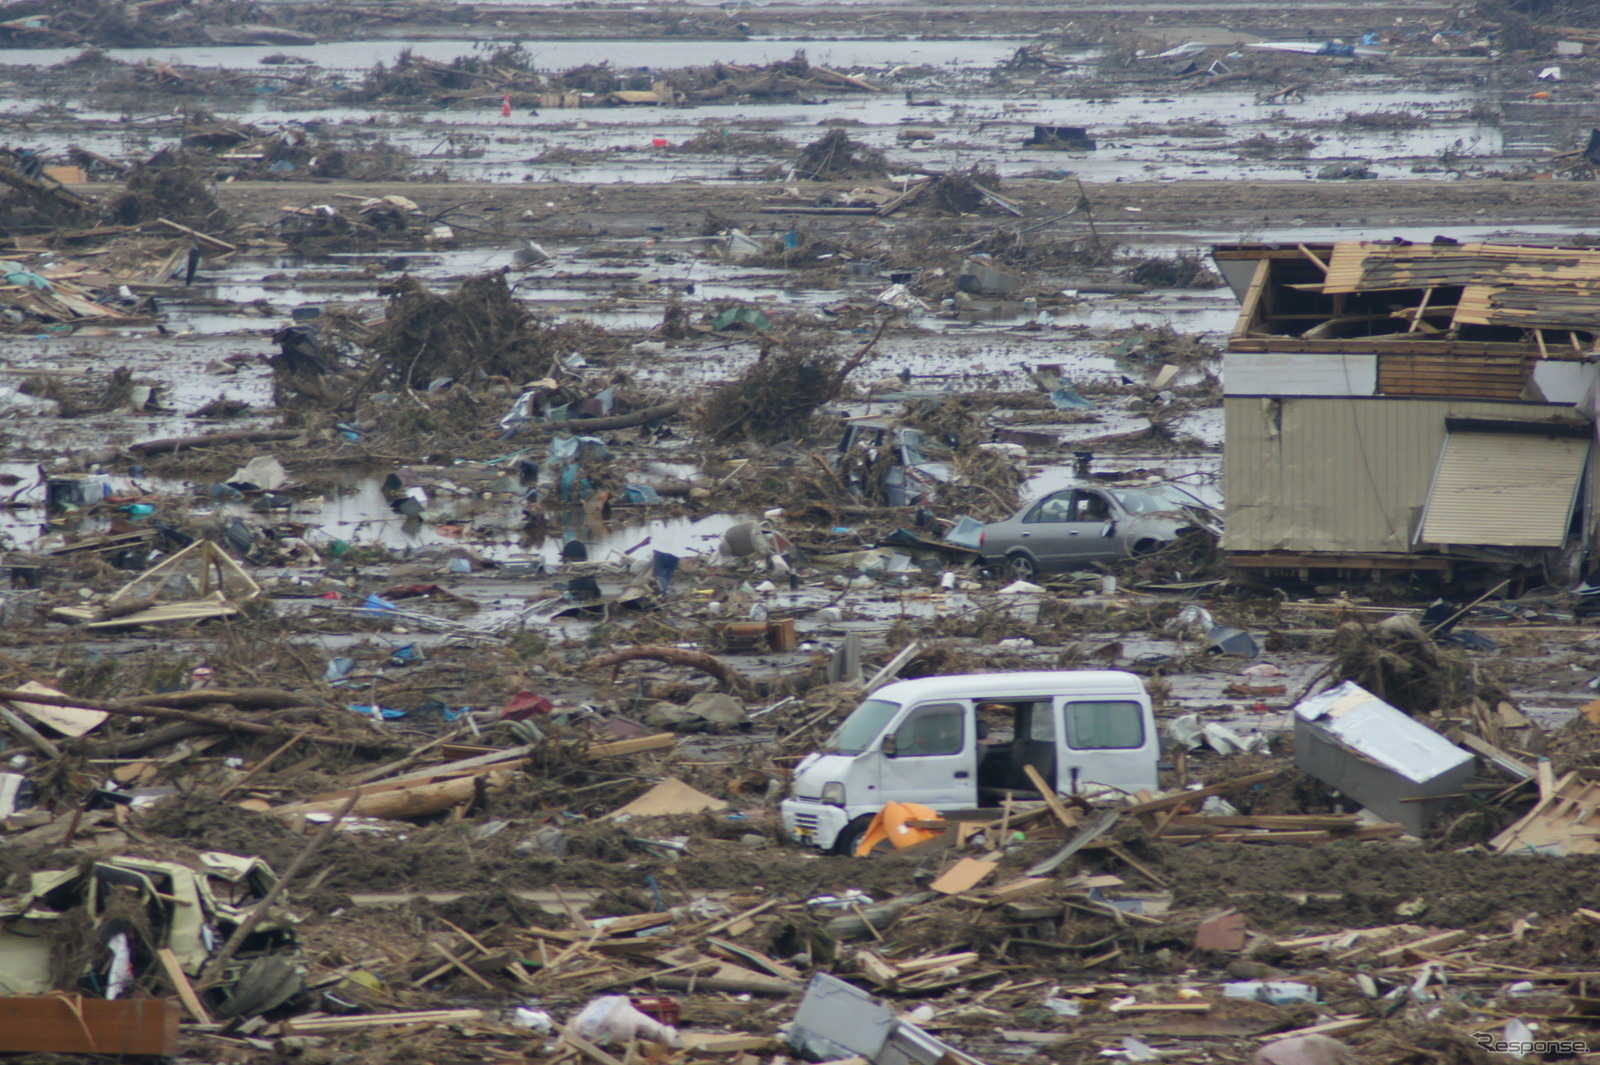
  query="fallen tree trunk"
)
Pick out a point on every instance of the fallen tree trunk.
point(187, 443)
point(226, 724)
point(616, 421)
point(398, 804)
point(875, 918)
point(258, 698)
point(676, 656)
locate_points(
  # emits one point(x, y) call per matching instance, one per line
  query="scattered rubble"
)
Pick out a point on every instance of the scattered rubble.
point(442, 542)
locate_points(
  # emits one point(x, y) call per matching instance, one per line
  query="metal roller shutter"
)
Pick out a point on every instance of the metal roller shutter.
point(1504, 489)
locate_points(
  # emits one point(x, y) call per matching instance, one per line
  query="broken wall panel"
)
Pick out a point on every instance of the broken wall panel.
point(1336, 474)
point(1565, 820)
point(1267, 374)
point(51, 1024)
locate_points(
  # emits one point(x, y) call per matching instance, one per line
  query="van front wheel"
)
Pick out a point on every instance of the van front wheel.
point(844, 844)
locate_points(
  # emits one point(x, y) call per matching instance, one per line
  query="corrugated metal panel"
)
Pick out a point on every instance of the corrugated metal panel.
point(1504, 489)
point(1335, 474)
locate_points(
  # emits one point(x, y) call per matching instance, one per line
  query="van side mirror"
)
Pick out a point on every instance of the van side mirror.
point(1108, 528)
point(890, 745)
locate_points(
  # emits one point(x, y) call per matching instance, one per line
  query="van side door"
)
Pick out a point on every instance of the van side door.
point(934, 759)
point(1106, 740)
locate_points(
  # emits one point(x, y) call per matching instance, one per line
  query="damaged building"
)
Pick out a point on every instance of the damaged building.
point(1411, 407)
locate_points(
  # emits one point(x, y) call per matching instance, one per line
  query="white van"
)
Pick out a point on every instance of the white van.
point(961, 742)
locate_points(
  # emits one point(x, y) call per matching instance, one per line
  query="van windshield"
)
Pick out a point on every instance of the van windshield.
point(856, 732)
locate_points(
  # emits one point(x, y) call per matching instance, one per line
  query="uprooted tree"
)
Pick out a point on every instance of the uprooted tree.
point(792, 377)
point(478, 331)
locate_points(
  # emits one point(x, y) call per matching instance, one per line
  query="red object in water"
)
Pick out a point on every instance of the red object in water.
point(505, 106)
point(524, 705)
point(658, 142)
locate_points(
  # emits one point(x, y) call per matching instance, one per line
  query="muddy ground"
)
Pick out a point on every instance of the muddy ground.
point(543, 236)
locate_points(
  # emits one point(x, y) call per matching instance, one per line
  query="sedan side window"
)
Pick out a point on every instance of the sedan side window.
point(933, 730)
point(1055, 508)
point(1091, 506)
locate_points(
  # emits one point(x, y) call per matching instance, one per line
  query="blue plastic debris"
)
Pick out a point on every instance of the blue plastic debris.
point(640, 493)
point(1067, 398)
point(17, 274)
point(375, 605)
point(662, 567)
point(405, 654)
point(384, 712)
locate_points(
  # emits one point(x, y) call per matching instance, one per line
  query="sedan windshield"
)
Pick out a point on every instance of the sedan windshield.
point(1157, 498)
point(856, 732)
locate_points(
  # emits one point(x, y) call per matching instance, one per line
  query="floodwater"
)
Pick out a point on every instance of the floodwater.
point(1148, 131)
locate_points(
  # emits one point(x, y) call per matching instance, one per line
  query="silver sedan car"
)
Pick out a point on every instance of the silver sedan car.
point(1069, 529)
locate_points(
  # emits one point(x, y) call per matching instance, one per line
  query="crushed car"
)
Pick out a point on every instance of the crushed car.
point(891, 463)
point(1074, 527)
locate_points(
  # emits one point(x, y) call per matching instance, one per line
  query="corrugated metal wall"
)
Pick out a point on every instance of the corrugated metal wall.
point(1336, 474)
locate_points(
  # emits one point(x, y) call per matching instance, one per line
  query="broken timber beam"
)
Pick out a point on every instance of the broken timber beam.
point(202, 238)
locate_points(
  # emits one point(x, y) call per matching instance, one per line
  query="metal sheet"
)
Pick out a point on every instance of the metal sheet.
point(1504, 489)
point(1267, 374)
point(1395, 766)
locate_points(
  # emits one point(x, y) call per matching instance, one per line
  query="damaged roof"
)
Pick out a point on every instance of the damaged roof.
point(1403, 292)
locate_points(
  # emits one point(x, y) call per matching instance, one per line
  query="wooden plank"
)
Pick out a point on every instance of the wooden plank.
point(505, 758)
point(1328, 822)
point(69, 721)
point(180, 983)
point(71, 1024)
point(314, 1025)
point(1020, 888)
point(1335, 560)
point(1431, 944)
point(1341, 1026)
point(1252, 307)
point(965, 875)
point(877, 970)
point(1160, 1007)
point(667, 798)
point(754, 958)
point(1068, 819)
point(1180, 797)
point(204, 238)
point(1514, 767)
point(727, 1043)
